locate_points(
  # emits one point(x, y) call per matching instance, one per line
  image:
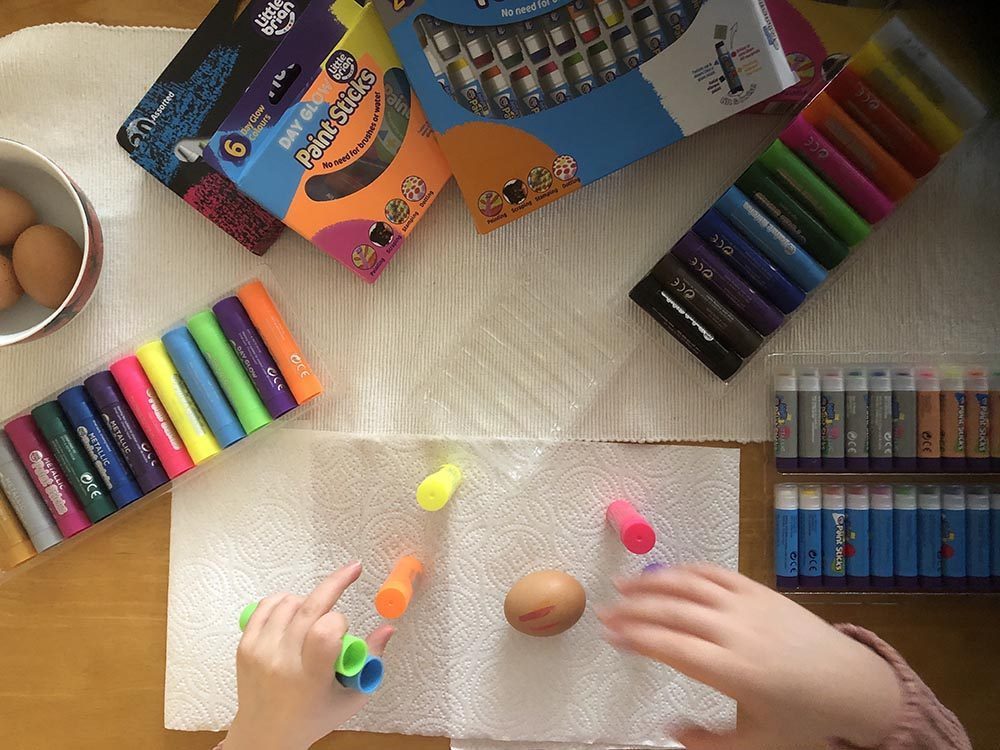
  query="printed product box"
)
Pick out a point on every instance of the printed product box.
point(168, 130)
point(330, 139)
point(532, 99)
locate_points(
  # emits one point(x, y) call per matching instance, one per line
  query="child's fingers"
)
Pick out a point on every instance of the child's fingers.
point(728, 579)
point(676, 582)
point(697, 658)
point(324, 598)
point(282, 614)
point(669, 612)
point(322, 644)
point(379, 639)
point(261, 616)
point(697, 738)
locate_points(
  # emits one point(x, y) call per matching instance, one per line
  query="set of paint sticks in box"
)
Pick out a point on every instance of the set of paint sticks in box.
point(522, 68)
point(146, 419)
point(842, 166)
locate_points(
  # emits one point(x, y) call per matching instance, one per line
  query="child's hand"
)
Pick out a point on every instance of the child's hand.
point(288, 695)
point(797, 680)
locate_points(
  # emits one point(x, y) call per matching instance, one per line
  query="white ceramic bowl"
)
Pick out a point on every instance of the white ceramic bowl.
point(61, 203)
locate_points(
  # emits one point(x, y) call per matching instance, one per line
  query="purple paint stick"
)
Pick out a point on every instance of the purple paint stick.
point(256, 359)
point(706, 264)
point(132, 442)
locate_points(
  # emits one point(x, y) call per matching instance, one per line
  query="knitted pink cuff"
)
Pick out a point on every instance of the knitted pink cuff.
point(922, 722)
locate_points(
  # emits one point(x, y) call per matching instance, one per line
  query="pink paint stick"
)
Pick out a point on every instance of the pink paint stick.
point(635, 532)
point(47, 476)
point(814, 148)
point(151, 415)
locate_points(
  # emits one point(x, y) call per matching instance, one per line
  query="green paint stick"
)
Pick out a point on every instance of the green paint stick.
point(353, 654)
point(803, 183)
point(226, 367)
point(353, 650)
point(89, 487)
point(791, 216)
point(247, 612)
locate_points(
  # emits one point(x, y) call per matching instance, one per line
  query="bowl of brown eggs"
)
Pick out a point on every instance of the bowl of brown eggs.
point(51, 247)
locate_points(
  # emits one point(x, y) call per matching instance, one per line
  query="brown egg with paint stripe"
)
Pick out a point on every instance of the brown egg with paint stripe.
point(545, 603)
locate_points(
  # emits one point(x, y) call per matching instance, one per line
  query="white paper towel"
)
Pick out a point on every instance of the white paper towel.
point(294, 505)
point(523, 332)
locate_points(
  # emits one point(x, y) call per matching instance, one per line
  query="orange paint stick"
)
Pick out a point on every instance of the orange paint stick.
point(297, 371)
point(394, 597)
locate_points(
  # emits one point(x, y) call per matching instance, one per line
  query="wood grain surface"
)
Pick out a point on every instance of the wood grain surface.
point(82, 630)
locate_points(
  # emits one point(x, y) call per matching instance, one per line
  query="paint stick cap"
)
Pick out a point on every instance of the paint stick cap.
point(929, 497)
point(786, 497)
point(833, 497)
point(785, 381)
point(856, 380)
point(857, 497)
point(833, 380)
point(808, 380)
point(810, 497)
point(927, 379)
point(880, 497)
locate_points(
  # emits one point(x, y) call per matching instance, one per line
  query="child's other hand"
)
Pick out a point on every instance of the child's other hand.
point(797, 679)
point(288, 695)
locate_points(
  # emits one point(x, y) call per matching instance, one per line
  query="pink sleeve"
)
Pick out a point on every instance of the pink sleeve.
point(923, 723)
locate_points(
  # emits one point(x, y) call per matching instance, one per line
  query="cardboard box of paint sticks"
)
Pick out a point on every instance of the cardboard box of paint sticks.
point(888, 471)
point(532, 100)
point(797, 215)
point(330, 139)
point(150, 414)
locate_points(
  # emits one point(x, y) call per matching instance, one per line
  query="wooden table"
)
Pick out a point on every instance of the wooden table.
point(82, 631)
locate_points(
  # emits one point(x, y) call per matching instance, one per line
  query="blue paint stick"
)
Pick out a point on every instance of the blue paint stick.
point(929, 536)
point(99, 446)
point(786, 536)
point(904, 536)
point(880, 536)
point(834, 569)
point(204, 388)
point(133, 444)
point(995, 536)
point(810, 537)
point(977, 538)
point(756, 269)
point(769, 238)
point(857, 550)
point(954, 539)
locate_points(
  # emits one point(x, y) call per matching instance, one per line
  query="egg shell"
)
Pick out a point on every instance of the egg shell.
point(16, 215)
point(10, 290)
point(545, 603)
point(47, 262)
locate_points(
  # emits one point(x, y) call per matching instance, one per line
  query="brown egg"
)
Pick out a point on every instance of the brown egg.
point(47, 261)
point(545, 603)
point(16, 215)
point(10, 290)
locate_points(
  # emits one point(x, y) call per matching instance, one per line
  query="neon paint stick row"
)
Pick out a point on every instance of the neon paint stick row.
point(891, 418)
point(836, 171)
point(146, 419)
point(887, 537)
point(510, 71)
